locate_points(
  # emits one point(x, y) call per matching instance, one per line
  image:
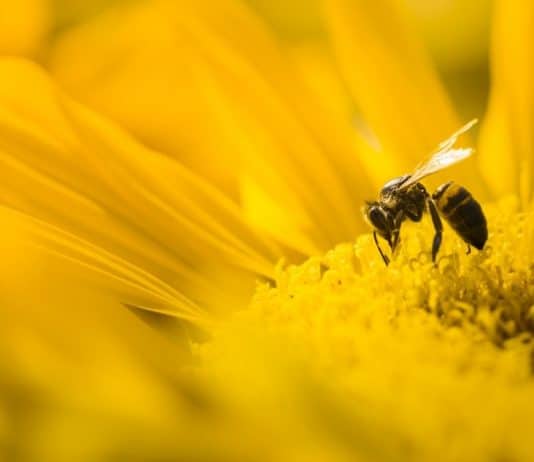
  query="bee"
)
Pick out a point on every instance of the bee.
point(406, 198)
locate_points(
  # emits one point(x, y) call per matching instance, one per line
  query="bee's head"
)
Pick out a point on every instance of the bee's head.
point(378, 218)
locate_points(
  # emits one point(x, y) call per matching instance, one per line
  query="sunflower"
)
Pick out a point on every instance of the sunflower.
point(198, 178)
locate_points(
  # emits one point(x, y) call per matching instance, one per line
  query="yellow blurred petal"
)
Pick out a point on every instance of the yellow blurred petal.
point(393, 82)
point(227, 78)
point(71, 169)
point(80, 374)
point(54, 241)
point(24, 24)
point(456, 32)
point(85, 380)
point(318, 69)
point(259, 207)
point(318, 145)
point(292, 20)
point(507, 141)
point(129, 76)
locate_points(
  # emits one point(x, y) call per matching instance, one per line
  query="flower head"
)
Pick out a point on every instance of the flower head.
point(183, 165)
point(414, 353)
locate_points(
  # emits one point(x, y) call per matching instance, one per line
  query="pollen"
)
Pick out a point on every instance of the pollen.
point(441, 352)
point(486, 294)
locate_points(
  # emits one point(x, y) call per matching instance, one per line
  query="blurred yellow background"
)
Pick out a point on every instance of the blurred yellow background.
point(455, 33)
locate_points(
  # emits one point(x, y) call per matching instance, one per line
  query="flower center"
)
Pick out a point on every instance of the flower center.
point(487, 293)
point(417, 351)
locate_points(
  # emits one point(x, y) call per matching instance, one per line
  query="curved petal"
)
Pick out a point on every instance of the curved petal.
point(507, 141)
point(393, 83)
point(112, 204)
point(213, 88)
point(79, 372)
point(24, 25)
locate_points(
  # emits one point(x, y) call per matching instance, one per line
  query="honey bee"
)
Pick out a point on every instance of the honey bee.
point(406, 198)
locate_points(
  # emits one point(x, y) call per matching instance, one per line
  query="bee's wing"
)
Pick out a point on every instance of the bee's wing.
point(443, 157)
point(437, 162)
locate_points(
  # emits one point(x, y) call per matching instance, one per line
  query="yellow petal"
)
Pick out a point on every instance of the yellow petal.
point(455, 32)
point(320, 72)
point(229, 79)
point(507, 142)
point(88, 370)
point(293, 20)
point(394, 85)
point(135, 212)
point(24, 25)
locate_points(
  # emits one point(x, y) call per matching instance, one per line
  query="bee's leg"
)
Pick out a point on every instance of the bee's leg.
point(468, 249)
point(438, 227)
point(384, 257)
point(395, 240)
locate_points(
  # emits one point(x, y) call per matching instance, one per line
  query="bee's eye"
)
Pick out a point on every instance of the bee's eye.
point(377, 217)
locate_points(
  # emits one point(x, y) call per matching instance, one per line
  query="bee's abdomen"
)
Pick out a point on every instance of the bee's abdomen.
point(463, 213)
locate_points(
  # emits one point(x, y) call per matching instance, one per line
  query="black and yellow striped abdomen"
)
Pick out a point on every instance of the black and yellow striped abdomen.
point(463, 213)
